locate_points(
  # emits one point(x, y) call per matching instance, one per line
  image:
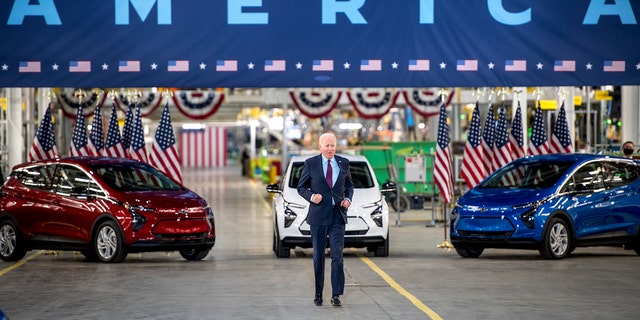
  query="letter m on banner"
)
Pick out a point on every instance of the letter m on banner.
point(142, 8)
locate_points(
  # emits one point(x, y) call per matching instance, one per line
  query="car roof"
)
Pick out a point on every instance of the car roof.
point(574, 157)
point(301, 158)
point(80, 160)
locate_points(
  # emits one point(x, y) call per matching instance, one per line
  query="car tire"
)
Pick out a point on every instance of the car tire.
point(194, 254)
point(281, 250)
point(383, 250)
point(404, 203)
point(556, 242)
point(108, 243)
point(11, 246)
point(469, 251)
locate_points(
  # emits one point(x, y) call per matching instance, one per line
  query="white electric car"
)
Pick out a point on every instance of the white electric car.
point(368, 215)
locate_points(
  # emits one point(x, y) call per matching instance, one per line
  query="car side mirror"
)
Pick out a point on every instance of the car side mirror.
point(273, 188)
point(389, 187)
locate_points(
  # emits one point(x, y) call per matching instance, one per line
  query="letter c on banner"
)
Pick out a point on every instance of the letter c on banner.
point(505, 17)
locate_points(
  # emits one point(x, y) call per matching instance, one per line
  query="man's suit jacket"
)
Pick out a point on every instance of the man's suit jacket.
point(312, 181)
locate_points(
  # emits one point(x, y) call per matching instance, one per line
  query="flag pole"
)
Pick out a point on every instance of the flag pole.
point(445, 244)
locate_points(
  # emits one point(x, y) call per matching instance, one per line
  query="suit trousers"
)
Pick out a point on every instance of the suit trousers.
point(319, 234)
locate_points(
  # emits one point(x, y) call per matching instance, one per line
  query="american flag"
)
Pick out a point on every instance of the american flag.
point(472, 165)
point(538, 143)
point(44, 143)
point(501, 150)
point(204, 148)
point(128, 128)
point(516, 137)
point(136, 149)
point(96, 135)
point(487, 140)
point(560, 139)
point(164, 155)
point(442, 169)
point(113, 146)
point(79, 144)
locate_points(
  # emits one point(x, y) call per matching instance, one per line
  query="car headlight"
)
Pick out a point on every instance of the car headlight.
point(137, 218)
point(210, 217)
point(376, 214)
point(528, 217)
point(289, 215)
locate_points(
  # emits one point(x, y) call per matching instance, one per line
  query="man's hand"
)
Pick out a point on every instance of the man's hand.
point(345, 203)
point(316, 198)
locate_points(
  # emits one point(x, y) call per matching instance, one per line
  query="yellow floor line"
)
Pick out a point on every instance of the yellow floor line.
point(19, 263)
point(416, 302)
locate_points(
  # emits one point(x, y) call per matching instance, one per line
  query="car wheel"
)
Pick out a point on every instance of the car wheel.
point(469, 251)
point(275, 239)
point(404, 203)
point(11, 246)
point(194, 254)
point(383, 250)
point(108, 243)
point(556, 242)
point(281, 250)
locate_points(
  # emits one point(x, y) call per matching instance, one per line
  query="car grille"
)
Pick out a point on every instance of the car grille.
point(180, 238)
point(485, 234)
point(347, 233)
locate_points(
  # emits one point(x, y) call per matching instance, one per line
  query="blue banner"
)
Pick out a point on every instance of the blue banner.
point(318, 43)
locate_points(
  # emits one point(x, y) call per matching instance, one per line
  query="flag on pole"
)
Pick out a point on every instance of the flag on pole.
point(164, 155)
point(128, 129)
point(113, 146)
point(487, 140)
point(96, 135)
point(442, 169)
point(538, 143)
point(472, 165)
point(44, 143)
point(560, 138)
point(516, 137)
point(501, 150)
point(136, 149)
point(79, 144)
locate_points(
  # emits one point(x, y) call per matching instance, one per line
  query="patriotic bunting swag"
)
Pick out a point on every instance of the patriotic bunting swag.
point(315, 103)
point(372, 103)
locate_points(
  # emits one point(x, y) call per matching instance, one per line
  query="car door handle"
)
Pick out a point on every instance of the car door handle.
point(56, 202)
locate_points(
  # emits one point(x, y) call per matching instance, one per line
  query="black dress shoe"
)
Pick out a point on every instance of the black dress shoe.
point(317, 301)
point(335, 301)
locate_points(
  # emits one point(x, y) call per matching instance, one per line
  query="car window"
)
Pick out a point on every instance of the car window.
point(72, 181)
point(141, 177)
point(620, 174)
point(37, 177)
point(527, 174)
point(360, 174)
point(587, 178)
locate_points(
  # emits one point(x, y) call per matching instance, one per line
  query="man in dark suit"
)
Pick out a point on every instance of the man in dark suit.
point(326, 183)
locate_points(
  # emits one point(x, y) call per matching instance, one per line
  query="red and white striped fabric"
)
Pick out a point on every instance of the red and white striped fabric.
point(204, 148)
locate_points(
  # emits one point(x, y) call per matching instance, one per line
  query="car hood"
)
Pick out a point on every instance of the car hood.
point(491, 197)
point(170, 199)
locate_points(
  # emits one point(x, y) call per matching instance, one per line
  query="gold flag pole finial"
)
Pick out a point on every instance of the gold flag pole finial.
point(80, 94)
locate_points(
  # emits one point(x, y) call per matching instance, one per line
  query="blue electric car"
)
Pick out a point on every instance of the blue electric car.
point(551, 203)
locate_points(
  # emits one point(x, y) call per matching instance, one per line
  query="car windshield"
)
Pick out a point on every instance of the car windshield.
point(139, 177)
point(360, 174)
point(527, 175)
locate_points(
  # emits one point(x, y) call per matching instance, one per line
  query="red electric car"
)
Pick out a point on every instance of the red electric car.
point(102, 207)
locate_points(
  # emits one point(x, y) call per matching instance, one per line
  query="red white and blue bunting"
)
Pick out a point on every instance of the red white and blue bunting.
point(315, 103)
point(372, 103)
point(198, 104)
point(69, 102)
point(426, 102)
point(147, 101)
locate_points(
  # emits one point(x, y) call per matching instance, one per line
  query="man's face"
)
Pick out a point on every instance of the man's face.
point(328, 146)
